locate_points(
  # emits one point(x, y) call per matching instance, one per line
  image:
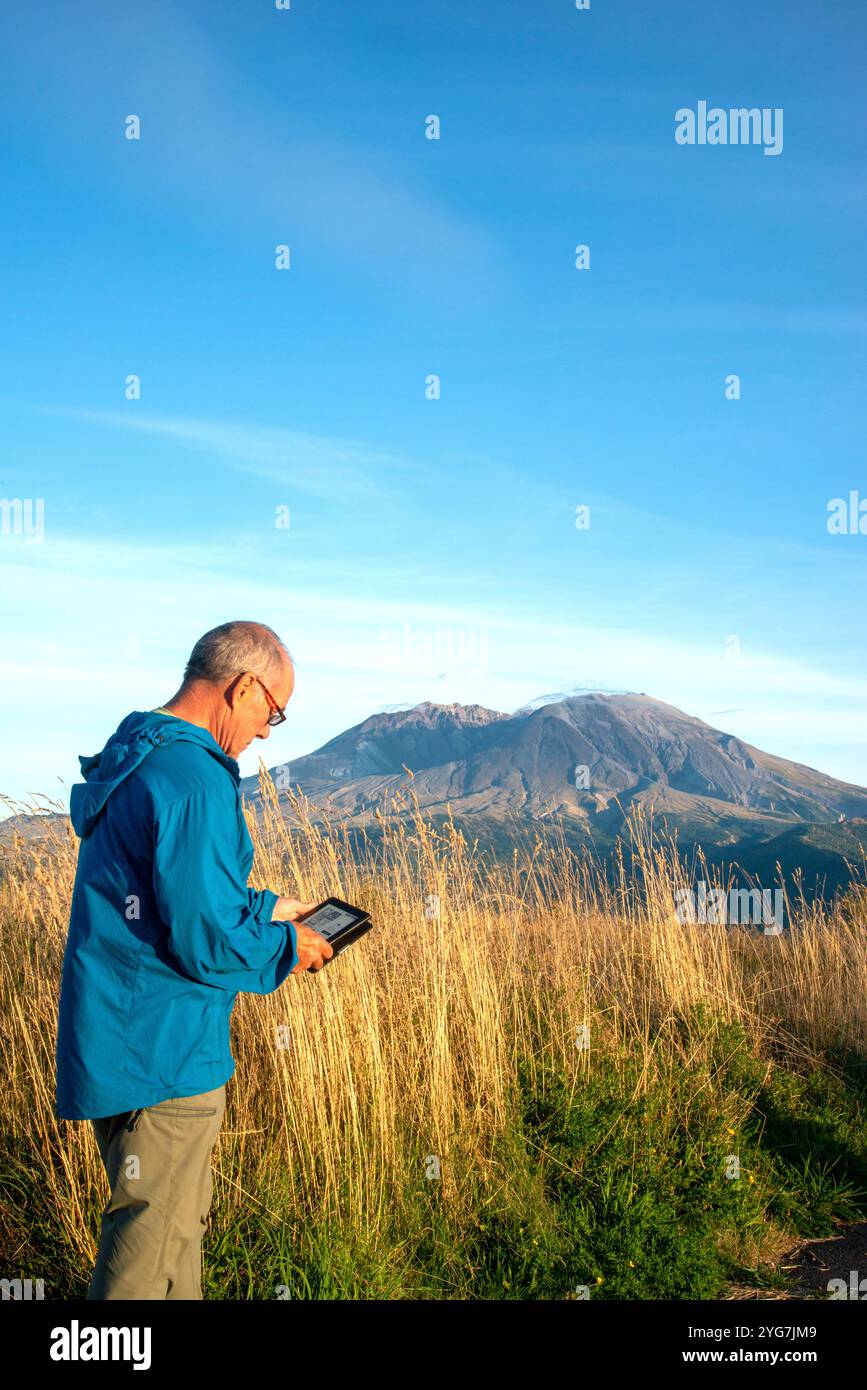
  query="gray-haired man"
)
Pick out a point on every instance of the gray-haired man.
point(164, 933)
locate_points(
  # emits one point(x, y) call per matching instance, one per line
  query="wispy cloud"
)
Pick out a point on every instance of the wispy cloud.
point(316, 464)
point(220, 152)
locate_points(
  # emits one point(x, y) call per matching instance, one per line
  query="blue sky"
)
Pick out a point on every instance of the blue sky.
point(432, 551)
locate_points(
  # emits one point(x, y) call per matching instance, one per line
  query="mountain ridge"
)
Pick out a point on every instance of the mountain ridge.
point(579, 756)
point(583, 764)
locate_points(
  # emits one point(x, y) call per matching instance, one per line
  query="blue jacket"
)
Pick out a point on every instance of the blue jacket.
point(164, 931)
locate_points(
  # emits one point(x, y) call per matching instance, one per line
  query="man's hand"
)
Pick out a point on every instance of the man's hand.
point(288, 909)
point(313, 949)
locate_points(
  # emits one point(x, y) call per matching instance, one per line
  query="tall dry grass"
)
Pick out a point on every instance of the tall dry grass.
point(409, 1046)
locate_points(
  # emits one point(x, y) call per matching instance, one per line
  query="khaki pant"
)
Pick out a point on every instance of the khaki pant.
point(158, 1162)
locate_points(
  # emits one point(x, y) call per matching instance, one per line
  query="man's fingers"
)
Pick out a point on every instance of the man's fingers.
point(290, 909)
point(308, 963)
point(313, 949)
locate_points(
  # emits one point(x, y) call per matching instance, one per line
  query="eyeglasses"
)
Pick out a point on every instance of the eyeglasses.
point(276, 716)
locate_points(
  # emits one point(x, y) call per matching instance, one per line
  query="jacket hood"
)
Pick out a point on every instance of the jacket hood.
point(129, 745)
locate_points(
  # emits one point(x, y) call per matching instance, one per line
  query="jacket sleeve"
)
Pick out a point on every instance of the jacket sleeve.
point(203, 899)
point(262, 903)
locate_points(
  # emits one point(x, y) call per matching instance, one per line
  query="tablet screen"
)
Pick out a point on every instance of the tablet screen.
point(329, 920)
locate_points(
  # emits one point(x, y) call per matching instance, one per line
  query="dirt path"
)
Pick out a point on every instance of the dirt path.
point(812, 1264)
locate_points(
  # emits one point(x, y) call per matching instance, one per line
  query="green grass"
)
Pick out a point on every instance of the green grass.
point(592, 1188)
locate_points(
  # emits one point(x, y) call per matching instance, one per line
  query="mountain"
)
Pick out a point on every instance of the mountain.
point(584, 760)
point(628, 747)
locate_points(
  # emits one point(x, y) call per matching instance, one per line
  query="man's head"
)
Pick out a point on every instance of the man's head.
point(227, 680)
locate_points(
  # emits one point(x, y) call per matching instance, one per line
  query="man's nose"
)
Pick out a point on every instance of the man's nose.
point(266, 732)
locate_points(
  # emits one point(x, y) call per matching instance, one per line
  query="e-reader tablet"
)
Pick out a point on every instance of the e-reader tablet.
point(339, 922)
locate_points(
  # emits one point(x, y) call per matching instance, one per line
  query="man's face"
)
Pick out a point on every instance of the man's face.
point(249, 708)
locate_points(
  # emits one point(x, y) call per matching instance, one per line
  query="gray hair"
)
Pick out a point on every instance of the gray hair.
point(227, 650)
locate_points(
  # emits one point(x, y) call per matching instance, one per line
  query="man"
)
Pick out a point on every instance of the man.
point(163, 934)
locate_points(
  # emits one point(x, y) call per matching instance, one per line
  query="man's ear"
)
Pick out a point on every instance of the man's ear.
point(240, 687)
